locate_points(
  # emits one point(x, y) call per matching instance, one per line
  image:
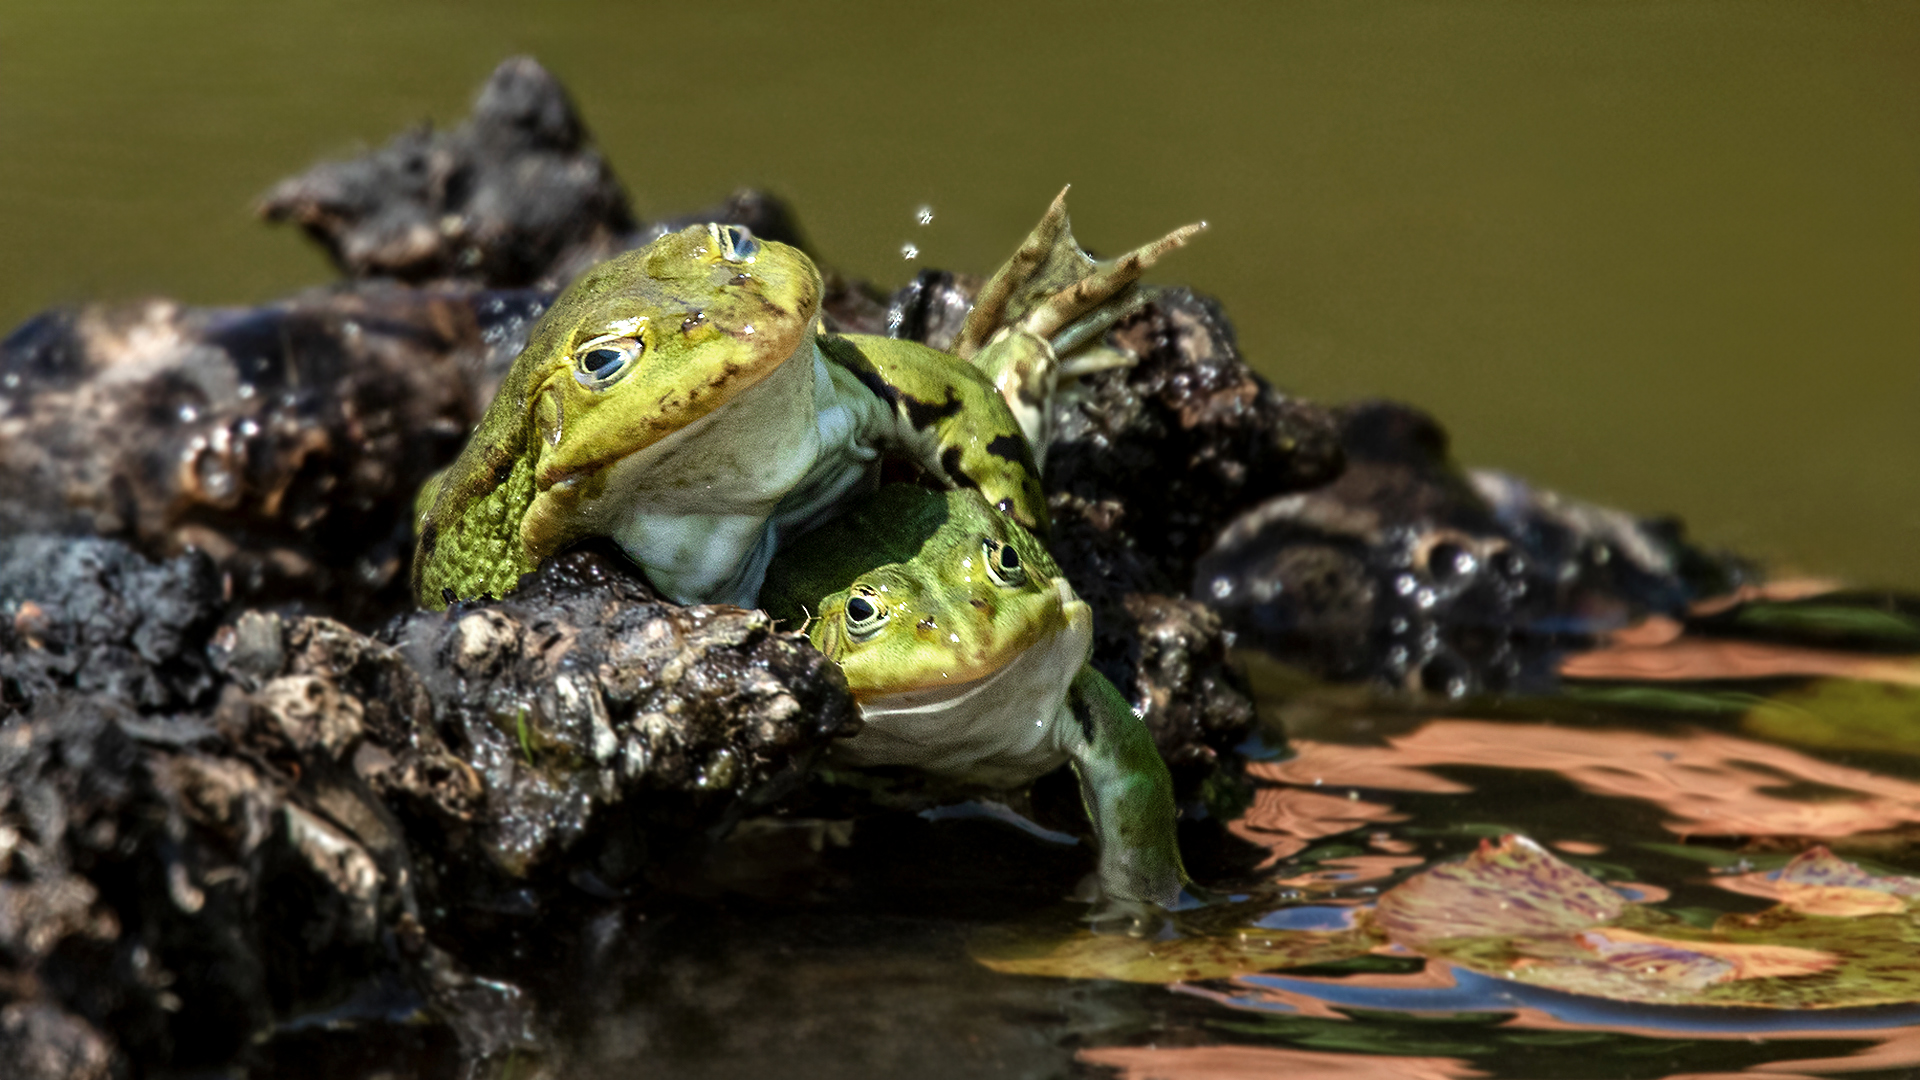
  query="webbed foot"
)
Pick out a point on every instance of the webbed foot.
point(1038, 317)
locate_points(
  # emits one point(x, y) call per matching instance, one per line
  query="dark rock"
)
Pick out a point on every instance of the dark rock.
point(284, 441)
point(1149, 463)
point(93, 615)
point(208, 837)
point(514, 197)
point(766, 216)
point(582, 692)
point(40, 1042)
point(135, 878)
point(932, 308)
point(506, 198)
point(1411, 572)
point(1172, 448)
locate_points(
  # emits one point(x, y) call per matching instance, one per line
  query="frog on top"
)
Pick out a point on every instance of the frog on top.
point(682, 400)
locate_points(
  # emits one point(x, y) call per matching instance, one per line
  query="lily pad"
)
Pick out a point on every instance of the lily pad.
point(1841, 937)
point(1513, 887)
point(1570, 939)
point(1820, 883)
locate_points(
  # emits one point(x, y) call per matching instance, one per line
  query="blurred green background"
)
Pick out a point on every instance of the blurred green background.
point(1660, 254)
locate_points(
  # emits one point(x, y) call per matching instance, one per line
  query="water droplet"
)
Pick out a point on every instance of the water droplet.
point(1222, 587)
point(908, 251)
point(924, 215)
point(246, 391)
point(188, 414)
point(12, 379)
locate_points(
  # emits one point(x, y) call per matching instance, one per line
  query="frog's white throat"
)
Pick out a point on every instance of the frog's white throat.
point(713, 490)
point(1005, 728)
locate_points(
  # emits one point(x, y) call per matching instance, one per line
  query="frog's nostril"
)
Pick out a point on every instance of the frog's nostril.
point(738, 244)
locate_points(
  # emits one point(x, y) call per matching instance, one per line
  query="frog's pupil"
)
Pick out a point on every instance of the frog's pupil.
point(604, 362)
point(742, 241)
point(1009, 558)
point(859, 609)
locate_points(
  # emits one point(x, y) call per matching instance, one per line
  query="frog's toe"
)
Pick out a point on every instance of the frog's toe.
point(1095, 360)
point(1114, 917)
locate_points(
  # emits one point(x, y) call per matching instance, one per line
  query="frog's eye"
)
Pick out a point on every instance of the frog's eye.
point(1003, 564)
point(737, 244)
point(864, 617)
point(602, 362)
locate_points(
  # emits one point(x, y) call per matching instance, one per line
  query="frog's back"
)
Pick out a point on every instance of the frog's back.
point(893, 525)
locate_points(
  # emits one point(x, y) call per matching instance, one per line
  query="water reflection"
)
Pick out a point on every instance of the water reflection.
point(1245, 1062)
point(1890, 1037)
point(1711, 783)
point(1339, 821)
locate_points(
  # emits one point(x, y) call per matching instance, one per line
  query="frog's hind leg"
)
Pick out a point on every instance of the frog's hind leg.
point(1100, 289)
point(1050, 283)
point(1039, 319)
point(1128, 794)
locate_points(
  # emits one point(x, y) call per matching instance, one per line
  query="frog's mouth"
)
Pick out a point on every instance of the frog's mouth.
point(736, 461)
point(1001, 722)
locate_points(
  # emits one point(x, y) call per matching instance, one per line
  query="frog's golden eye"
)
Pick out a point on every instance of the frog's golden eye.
point(603, 361)
point(1003, 564)
point(737, 244)
point(864, 617)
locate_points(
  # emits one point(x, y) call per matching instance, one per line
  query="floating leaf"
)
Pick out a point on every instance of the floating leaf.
point(1820, 867)
point(1513, 887)
point(1084, 955)
point(1820, 883)
point(1840, 938)
point(1511, 910)
point(1842, 714)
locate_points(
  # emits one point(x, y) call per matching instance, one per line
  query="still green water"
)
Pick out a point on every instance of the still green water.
point(1661, 254)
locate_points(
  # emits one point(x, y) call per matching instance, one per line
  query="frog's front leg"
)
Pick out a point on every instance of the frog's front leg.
point(1128, 794)
point(947, 417)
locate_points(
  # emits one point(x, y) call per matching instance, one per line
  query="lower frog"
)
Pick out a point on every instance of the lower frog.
point(683, 400)
point(967, 654)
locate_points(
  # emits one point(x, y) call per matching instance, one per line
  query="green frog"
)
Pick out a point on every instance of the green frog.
point(966, 651)
point(683, 400)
